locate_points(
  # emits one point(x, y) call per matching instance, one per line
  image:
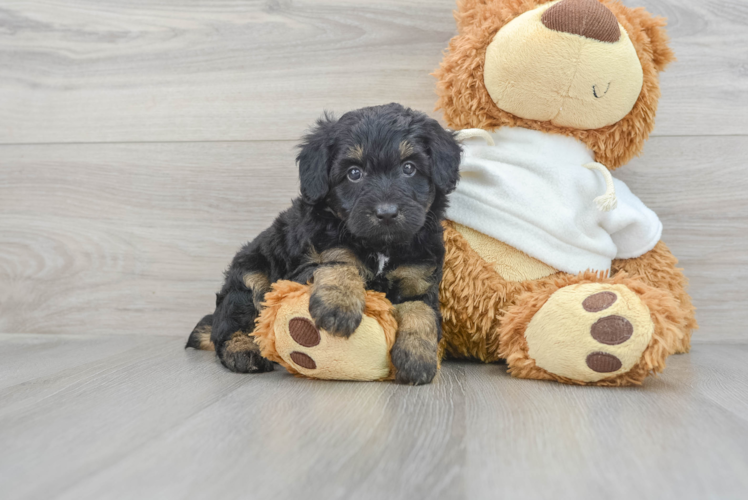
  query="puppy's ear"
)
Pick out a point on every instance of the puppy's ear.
point(445, 156)
point(314, 160)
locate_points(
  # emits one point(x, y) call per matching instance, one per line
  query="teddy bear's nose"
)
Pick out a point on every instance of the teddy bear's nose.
point(588, 18)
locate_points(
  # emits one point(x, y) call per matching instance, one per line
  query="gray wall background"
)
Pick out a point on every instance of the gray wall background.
point(142, 143)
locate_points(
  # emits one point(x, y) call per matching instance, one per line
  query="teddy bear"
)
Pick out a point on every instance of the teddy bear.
point(552, 264)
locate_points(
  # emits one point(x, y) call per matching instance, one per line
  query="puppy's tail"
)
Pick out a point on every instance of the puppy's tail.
point(200, 336)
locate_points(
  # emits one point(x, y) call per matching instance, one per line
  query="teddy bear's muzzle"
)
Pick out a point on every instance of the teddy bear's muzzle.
point(568, 62)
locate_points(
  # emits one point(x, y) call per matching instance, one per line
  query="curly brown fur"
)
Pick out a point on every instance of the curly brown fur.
point(467, 104)
point(473, 299)
point(659, 268)
point(364, 210)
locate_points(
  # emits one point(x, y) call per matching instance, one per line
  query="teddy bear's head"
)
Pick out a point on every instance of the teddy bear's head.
point(584, 68)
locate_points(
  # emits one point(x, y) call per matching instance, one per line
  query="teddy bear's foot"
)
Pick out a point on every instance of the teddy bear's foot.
point(287, 334)
point(615, 331)
point(589, 332)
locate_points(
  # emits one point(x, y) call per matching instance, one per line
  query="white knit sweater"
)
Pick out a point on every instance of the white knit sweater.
point(531, 191)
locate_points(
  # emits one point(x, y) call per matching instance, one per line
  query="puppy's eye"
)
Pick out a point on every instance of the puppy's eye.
point(409, 169)
point(355, 174)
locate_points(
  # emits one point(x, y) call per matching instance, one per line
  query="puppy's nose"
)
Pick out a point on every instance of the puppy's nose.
point(387, 211)
point(588, 18)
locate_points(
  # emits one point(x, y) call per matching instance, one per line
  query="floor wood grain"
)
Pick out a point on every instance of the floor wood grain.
point(139, 417)
point(197, 70)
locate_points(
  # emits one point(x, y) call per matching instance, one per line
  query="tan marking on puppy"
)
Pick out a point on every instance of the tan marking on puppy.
point(342, 255)
point(406, 149)
point(242, 354)
point(203, 335)
point(313, 257)
point(416, 320)
point(339, 256)
point(338, 298)
point(415, 353)
point(259, 284)
point(356, 153)
point(241, 342)
point(413, 280)
point(340, 286)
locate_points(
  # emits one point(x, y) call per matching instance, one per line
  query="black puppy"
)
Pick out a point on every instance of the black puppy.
point(373, 194)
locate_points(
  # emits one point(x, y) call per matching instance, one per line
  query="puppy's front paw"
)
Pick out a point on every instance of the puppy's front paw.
point(336, 310)
point(414, 367)
point(415, 353)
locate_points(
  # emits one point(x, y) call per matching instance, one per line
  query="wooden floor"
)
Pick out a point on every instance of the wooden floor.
point(93, 417)
point(142, 142)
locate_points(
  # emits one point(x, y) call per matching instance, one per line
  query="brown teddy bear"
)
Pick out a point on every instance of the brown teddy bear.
point(552, 264)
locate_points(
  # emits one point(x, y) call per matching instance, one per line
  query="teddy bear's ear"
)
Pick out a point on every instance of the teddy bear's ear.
point(481, 13)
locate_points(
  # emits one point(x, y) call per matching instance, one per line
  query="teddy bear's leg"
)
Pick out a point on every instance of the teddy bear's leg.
point(587, 329)
point(658, 268)
point(287, 334)
point(473, 299)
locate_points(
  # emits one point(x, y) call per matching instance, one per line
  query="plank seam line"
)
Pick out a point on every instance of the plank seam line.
point(249, 141)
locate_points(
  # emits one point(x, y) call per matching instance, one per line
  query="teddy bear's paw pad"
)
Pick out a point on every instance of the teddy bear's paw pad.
point(303, 331)
point(612, 330)
point(303, 360)
point(590, 332)
point(316, 353)
point(602, 362)
point(599, 301)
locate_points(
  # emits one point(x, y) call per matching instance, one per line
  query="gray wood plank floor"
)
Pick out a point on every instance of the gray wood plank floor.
point(139, 417)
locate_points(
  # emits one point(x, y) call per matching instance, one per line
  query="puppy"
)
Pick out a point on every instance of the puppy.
point(374, 188)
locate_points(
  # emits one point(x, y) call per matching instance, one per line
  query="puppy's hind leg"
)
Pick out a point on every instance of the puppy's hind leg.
point(234, 320)
point(239, 354)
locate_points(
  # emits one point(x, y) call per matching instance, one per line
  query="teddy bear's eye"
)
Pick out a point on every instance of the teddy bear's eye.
point(355, 174)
